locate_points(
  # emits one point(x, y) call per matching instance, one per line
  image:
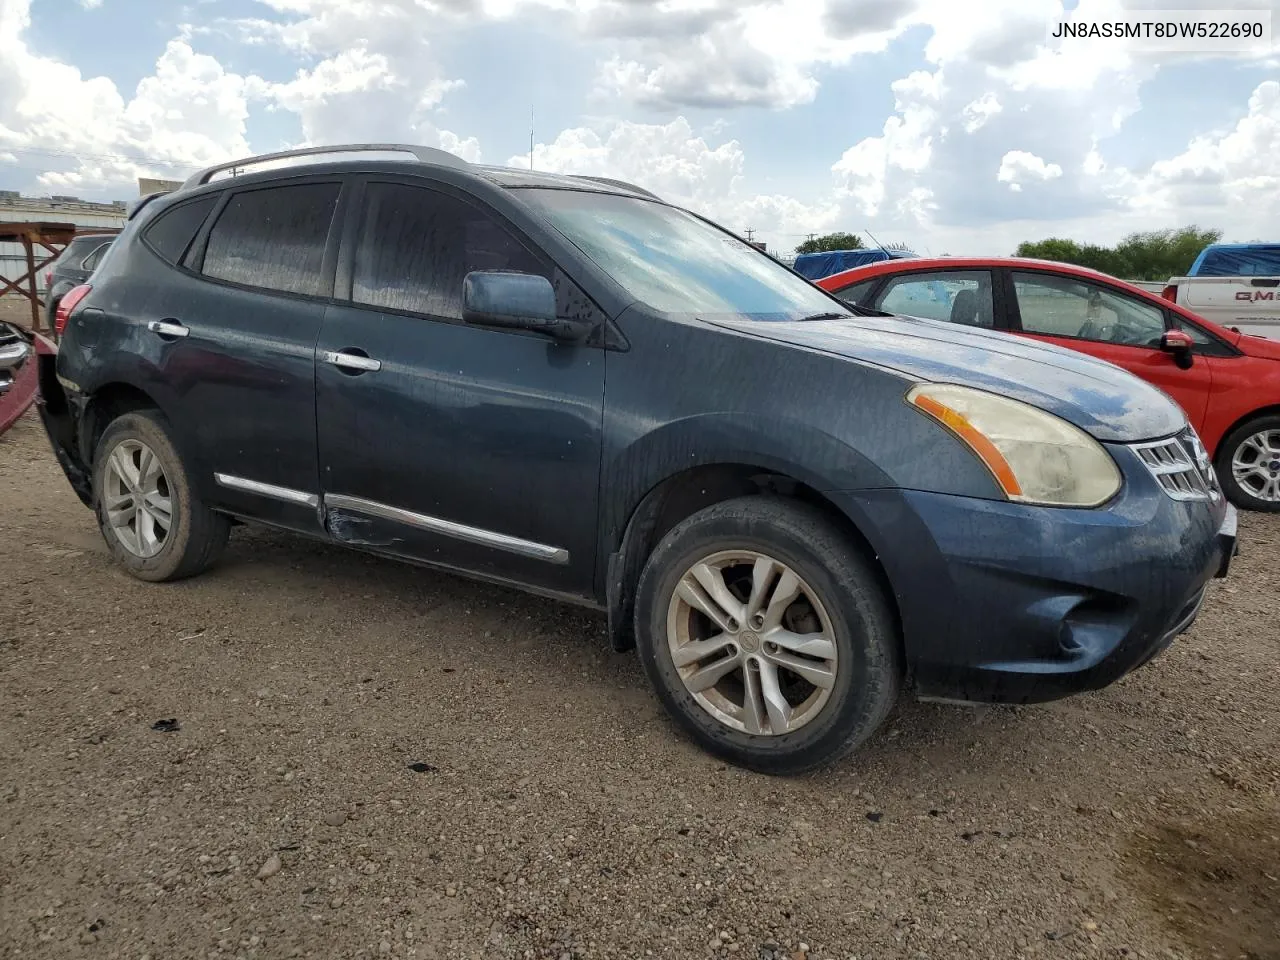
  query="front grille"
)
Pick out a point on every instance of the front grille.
point(1181, 466)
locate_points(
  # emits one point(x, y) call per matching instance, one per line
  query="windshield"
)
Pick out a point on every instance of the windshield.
point(674, 262)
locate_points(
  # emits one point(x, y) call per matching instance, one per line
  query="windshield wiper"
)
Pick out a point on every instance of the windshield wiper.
point(828, 316)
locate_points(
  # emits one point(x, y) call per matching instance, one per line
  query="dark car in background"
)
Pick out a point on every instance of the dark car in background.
point(567, 385)
point(73, 267)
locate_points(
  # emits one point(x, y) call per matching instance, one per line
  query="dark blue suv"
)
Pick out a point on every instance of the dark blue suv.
point(567, 385)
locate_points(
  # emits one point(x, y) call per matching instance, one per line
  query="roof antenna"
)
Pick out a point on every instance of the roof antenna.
point(879, 245)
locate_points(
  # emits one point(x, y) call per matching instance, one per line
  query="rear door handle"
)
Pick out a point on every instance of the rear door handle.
point(167, 328)
point(1265, 282)
point(351, 361)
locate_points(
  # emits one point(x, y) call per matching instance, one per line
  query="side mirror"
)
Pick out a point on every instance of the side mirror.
point(1179, 344)
point(516, 301)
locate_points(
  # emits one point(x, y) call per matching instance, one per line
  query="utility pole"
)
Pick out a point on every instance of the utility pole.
point(751, 235)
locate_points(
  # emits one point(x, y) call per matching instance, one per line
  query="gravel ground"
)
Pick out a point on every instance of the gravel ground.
point(369, 759)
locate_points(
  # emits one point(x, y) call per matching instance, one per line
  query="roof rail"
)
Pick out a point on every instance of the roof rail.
point(424, 154)
point(133, 206)
point(622, 183)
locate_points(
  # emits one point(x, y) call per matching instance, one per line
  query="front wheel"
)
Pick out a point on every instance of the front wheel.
point(1249, 465)
point(767, 635)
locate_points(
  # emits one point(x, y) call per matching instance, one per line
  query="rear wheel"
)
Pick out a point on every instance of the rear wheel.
point(767, 635)
point(155, 525)
point(1249, 465)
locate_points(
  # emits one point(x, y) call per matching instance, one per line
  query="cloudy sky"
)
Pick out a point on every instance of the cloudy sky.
point(953, 126)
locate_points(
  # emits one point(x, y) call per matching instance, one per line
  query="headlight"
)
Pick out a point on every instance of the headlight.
point(1034, 456)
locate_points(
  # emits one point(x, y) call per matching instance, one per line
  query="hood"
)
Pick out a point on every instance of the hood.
point(1256, 346)
point(1102, 399)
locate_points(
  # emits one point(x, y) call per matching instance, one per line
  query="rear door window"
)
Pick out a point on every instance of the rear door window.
point(416, 245)
point(274, 238)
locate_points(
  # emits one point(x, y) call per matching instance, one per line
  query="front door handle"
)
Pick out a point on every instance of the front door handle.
point(168, 328)
point(351, 361)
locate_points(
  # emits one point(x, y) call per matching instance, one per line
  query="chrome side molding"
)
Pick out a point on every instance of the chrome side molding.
point(286, 494)
point(447, 528)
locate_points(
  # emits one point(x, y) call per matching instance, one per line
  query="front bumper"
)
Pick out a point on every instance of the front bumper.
point(1001, 602)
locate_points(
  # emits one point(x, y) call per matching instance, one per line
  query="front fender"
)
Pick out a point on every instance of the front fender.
point(634, 478)
point(775, 445)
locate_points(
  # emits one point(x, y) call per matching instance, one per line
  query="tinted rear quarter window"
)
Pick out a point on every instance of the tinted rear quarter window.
point(172, 232)
point(273, 238)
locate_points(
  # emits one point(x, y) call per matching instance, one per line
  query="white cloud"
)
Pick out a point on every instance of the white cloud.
point(1001, 134)
point(1249, 153)
point(770, 52)
point(1230, 179)
point(1018, 167)
point(967, 135)
point(191, 112)
point(707, 74)
point(375, 76)
point(188, 113)
point(978, 112)
point(904, 149)
point(357, 96)
point(681, 167)
point(1093, 164)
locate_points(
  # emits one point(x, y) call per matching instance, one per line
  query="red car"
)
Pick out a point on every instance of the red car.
point(1228, 383)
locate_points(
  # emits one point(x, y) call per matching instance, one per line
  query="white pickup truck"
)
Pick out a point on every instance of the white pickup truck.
point(1236, 285)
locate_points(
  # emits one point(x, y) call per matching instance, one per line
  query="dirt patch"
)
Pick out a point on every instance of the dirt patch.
point(1216, 883)
point(310, 752)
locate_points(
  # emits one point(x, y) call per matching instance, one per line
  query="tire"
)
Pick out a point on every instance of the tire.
point(195, 535)
point(1249, 442)
point(853, 614)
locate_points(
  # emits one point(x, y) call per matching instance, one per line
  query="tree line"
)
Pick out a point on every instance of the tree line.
point(1153, 255)
point(1150, 255)
point(830, 242)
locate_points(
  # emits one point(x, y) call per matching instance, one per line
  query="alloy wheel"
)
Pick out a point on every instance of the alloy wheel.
point(752, 642)
point(1255, 465)
point(137, 499)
